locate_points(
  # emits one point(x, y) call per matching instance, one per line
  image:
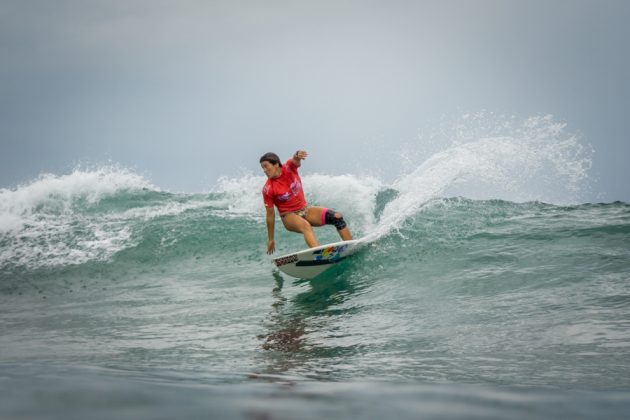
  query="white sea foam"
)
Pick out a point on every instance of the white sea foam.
point(56, 193)
point(354, 196)
point(48, 223)
point(241, 195)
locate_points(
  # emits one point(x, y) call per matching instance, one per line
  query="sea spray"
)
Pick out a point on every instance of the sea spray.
point(535, 160)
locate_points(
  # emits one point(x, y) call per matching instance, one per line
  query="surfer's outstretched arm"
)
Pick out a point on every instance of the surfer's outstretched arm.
point(271, 221)
point(299, 156)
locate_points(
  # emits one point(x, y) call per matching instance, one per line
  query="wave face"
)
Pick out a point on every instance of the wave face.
point(528, 290)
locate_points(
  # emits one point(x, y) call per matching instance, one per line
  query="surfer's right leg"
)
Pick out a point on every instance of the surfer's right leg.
point(294, 223)
point(320, 216)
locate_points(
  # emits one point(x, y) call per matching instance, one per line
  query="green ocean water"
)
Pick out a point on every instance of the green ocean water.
point(488, 294)
point(143, 299)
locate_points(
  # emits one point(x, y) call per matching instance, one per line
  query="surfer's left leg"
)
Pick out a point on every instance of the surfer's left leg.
point(320, 216)
point(294, 223)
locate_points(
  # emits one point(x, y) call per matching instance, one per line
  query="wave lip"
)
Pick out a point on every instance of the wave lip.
point(57, 194)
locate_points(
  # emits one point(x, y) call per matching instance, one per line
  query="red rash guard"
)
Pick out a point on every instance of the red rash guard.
point(285, 191)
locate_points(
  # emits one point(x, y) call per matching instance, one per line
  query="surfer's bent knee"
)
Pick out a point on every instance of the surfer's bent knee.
point(333, 218)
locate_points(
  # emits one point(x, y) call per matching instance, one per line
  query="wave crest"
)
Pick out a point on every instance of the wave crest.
point(57, 194)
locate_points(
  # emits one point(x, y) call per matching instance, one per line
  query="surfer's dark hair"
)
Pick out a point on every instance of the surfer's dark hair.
point(271, 158)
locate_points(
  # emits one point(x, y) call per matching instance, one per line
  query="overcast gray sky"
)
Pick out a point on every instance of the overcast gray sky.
point(186, 91)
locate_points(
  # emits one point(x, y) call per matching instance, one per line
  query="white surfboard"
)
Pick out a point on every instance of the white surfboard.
point(312, 262)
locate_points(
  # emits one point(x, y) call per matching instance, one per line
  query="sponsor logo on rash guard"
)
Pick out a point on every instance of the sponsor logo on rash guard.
point(284, 197)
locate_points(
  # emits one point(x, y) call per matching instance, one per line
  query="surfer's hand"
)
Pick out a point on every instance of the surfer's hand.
point(271, 247)
point(300, 154)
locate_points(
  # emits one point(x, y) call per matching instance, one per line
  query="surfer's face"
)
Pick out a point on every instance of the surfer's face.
point(272, 170)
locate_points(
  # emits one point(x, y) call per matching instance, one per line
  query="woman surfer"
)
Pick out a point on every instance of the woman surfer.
point(284, 190)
